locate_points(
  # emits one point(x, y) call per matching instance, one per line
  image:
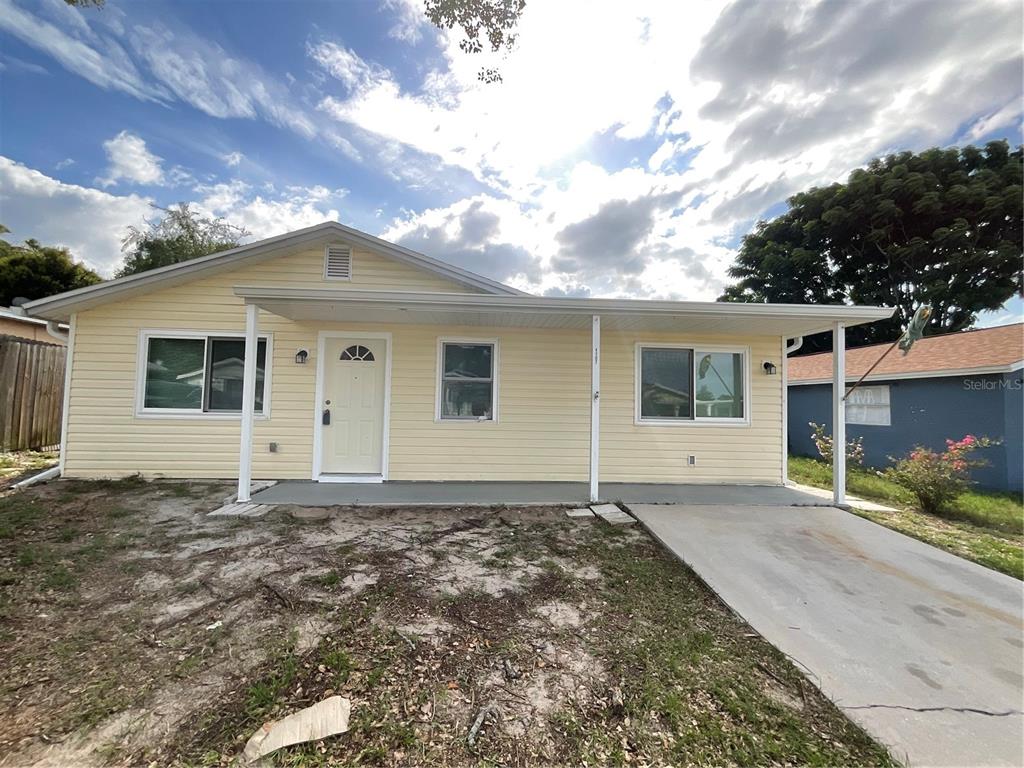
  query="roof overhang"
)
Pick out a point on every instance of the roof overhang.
point(327, 305)
point(63, 305)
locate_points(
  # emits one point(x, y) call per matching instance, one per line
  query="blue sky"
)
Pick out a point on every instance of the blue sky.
point(626, 157)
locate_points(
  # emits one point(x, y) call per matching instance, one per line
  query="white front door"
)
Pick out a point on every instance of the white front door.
point(352, 425)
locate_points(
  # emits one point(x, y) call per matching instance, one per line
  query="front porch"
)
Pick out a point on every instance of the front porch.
point(483, 493)
point(552, 391)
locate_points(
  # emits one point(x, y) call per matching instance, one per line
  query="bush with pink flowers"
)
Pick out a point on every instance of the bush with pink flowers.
point(938, 478)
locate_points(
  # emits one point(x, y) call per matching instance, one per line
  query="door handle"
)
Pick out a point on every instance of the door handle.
point(326, 418)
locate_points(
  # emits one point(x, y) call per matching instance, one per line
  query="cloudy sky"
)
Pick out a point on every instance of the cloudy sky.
point(628, 149)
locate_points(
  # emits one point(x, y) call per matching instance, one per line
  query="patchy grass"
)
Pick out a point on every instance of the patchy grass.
point(987, 528)
point(139, 631)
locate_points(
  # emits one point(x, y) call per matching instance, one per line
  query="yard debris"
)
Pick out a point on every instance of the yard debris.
point(318, 721)
point(579, 512)
point(611, 514)
point(216, 625)
point(474, 731)
point(511, 672)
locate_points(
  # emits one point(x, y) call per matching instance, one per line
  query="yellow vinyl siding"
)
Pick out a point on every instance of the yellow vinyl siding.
point(543, 380)
point(106, 438)
point(650, 453)
point(370, 271)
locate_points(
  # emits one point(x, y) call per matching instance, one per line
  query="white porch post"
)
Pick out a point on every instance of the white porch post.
point(248, 402)
point(839, 413)
point(595, 405)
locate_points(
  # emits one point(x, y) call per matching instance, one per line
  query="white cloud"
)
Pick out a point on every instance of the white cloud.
point(90, 222)
point(98, 58)
point(154, 62)
point(130, 160)
point(619, 159)
point(740, 105)
point(268, 213)
point(409, 20)
point(201, 73)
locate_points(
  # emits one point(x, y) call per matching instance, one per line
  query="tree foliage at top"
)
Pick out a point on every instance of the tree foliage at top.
point(942, 227)
point(35, 271)
point(181, 234)
point(494, 20)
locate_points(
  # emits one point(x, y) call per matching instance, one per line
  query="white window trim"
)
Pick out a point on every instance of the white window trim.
point(351, 263)
point(438, 379)
point(888, 407)
point(703, 421)
point(142, 412)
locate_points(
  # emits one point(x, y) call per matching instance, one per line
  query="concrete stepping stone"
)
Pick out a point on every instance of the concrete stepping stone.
point(612, 514)
point(579, 512)
point(241, 509)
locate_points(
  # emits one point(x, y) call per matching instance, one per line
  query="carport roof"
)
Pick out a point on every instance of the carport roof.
point(543, 312)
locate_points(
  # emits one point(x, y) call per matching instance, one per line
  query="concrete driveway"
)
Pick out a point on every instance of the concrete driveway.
point(921, 648)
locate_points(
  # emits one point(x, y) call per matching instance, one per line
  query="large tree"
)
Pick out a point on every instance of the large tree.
point(179, 235)
point(942, 227)
point(34, 271)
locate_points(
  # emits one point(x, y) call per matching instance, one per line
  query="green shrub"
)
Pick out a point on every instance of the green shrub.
point(938, 478)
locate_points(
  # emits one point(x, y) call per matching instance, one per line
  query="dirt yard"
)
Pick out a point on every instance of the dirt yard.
point(136, 630)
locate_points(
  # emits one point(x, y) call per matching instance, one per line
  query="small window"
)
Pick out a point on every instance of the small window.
point(467, 381)
point(869, 406)
point(199, 374)
point(689, 384)
point(357, 352)
point(338, 262)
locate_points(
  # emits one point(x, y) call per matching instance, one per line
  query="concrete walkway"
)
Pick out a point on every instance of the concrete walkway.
point(397, 493)
point(921, 648)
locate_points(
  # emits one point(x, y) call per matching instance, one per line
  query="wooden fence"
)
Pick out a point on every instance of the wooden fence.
point(31, 394)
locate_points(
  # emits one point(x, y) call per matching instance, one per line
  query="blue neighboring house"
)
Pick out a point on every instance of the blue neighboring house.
point(947, 387)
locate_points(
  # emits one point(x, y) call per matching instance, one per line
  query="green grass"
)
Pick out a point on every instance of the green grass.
point(987, 528)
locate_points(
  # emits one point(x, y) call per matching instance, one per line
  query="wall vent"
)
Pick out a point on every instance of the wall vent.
point(338, 262)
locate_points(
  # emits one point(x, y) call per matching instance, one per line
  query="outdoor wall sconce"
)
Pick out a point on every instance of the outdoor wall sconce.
point(769, 368)
point(301, 356)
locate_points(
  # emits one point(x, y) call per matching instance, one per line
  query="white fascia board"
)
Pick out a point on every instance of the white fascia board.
point(826, 314)
point(61, 306)
point(937, 374)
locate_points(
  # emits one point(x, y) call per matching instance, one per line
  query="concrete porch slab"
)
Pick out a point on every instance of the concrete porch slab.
point(451, 493)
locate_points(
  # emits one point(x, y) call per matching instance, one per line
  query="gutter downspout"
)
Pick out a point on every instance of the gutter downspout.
point(786, 350)
point(53, 328)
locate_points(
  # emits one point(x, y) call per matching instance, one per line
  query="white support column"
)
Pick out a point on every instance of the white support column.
point(839, 414)
point(248, 402)
point(784, 370)
point(595, 406)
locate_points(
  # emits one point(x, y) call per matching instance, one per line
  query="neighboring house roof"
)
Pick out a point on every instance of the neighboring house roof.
point(985, 350)
point(9, 314)
point(63, 305)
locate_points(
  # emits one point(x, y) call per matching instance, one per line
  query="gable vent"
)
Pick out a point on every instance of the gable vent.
point(338, 262)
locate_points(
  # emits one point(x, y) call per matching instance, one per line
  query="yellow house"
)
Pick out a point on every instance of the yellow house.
point(330, 355)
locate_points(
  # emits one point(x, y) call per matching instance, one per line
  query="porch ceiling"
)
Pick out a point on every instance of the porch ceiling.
point(540, 312)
